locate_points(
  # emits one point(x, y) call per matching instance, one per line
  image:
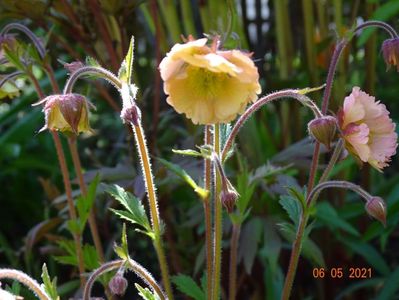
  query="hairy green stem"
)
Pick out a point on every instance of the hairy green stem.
point(152, 199)
point(26, 280)
point(218, 230)
point(333, 160)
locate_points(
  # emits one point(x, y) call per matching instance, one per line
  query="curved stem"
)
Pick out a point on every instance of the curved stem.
point(337, 184)
point(107, 75)
point(233, 261)
point(388, 28)
point(263, 101)
point(23, 278)
point(36, 42)
point(116, 264)
point(153, 204)
point(9, 77)
point(218, 226)
point(208, 216)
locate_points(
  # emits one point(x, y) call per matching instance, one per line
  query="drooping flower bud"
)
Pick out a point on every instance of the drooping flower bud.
point(390, 52)
point(67, 113)
point(376, 208)
point(229, 197)
point(118, 284)
point(323, 129)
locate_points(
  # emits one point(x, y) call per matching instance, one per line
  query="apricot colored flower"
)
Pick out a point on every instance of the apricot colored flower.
point(209, 85)
point(67, 113)
point(367, 129)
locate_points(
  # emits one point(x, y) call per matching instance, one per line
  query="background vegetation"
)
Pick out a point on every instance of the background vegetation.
point(292, 42)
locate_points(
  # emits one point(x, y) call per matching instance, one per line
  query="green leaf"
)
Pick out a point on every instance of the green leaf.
point(292, 207)
point(188, 286)
point(391, 285)
point(187, 178)
point(329, 216)
point(134, 210)
point(145, 293)
point(126, 70)
point(84, 204)
point(50, 286)
point(122, 251)
point(14, 57)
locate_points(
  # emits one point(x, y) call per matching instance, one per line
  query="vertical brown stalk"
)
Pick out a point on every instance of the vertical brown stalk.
point(92, 219)
point(71, 206)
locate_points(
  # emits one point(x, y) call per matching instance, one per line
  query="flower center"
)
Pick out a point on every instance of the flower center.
point(206, 83)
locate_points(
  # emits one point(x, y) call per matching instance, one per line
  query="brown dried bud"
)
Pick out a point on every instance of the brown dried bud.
point(73, 66)
point(376, 208)
point(67, 113)
point(118, 284)
point(229, 197)
point(390, 52)
point(323, 129)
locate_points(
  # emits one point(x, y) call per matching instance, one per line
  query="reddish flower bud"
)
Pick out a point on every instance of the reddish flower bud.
point(229, 197)
point(323, 129)
point(376, 208)
point(118, 284)
point(67, 113)
point(390, 52)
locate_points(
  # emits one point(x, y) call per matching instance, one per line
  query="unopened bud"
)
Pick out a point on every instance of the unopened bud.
point(131, 115)
point(390, 52)
point(118, 284)
point(67, 113)
point(376, 208)
point(323, 129)
point(229, 198)
point(4, 295)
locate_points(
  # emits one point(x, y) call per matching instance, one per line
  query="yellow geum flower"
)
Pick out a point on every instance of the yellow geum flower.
point(209, 85)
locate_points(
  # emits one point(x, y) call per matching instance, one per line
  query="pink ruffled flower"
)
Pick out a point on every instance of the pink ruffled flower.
point(368, 130)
